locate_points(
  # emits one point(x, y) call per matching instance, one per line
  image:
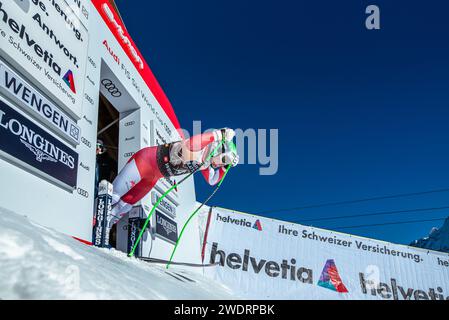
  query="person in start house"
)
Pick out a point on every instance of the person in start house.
point(150, 164)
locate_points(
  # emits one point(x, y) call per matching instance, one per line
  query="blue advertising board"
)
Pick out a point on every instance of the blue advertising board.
point(23, 140)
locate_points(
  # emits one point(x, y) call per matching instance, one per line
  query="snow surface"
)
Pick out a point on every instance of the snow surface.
point(39, 263)
point(437, 240)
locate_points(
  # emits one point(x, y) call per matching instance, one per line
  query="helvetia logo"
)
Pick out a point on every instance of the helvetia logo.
point(393, 290)
point(70, 81)
point(257, 225)
point(330, 278)
point(286, 269)
point(240, 222)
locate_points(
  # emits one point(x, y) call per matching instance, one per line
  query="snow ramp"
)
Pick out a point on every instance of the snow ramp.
point(39, 263)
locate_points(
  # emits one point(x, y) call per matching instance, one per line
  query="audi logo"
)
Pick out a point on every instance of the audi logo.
point(112, 89)
point(83, 193)
point(86, 142)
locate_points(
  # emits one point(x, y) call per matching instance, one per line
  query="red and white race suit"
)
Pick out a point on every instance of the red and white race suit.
point(150, 164)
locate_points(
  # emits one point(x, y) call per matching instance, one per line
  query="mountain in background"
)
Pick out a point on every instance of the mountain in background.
point(437, 240)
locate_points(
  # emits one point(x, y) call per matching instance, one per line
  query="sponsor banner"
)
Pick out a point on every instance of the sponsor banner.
point(26, 142)
point(37, 105)
point(102, 217)
point(134, 226)
point(48, 42)
point(166, 228)
point(164, 205)
point(263, 258)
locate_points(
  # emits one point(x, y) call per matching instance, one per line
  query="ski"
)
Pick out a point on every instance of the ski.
point(185, 264)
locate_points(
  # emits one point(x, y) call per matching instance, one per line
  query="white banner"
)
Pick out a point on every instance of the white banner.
point(261, 258)
point(47, 41)
point(38, 105)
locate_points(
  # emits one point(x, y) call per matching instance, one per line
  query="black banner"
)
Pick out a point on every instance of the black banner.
point(134, 227)
point(166, 228)
point(101, 228)
point(235, 309)
point(25, 141)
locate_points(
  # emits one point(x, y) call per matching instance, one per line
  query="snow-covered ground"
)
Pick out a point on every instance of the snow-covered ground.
point(437, 240)
point(39, 263)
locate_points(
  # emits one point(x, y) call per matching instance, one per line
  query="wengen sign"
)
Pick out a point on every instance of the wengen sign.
point(36, 104)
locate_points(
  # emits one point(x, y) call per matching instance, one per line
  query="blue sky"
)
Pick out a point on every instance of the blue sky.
point(360, 113)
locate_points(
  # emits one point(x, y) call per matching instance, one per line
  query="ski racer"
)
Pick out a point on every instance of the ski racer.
point(150, 164)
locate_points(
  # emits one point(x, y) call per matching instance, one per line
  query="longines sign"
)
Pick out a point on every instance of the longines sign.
point(38, 150)
point(47, 41)
point(166, 228)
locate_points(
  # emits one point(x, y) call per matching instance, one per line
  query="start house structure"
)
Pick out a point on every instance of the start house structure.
point(71, 74)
